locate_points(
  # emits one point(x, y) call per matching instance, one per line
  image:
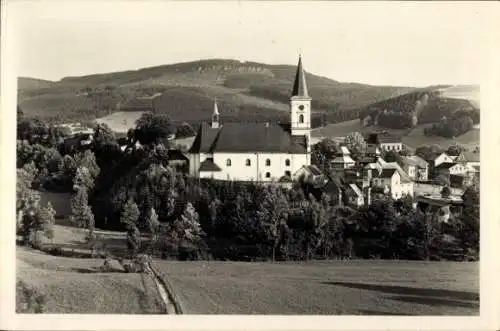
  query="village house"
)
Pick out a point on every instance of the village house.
point(468, 160)
point(345, 191)
point(390, 177)
point(416, 167)
point(441, 208)
point(384, 141)
point(447, 169)
point(261, 152)
point(343, 159)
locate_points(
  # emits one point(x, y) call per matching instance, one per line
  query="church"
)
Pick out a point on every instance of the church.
point(260, 152)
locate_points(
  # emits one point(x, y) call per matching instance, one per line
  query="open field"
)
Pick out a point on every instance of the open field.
point(334, 287)
point(120, 121)
point(72, 285)
point(76, 285)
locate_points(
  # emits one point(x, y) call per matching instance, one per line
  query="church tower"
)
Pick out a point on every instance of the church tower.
point(300, 106)
point(215, 116)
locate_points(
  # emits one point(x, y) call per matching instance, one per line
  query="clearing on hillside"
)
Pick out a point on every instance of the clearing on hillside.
point(120, 121)
point(413, 138)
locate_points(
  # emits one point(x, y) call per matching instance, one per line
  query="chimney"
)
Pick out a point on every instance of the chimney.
point(367, 195)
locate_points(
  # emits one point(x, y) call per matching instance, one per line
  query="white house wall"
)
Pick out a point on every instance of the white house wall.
point(256, 171)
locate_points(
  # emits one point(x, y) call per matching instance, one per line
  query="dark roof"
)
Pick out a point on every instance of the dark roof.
point(367, 159)
point(375, 138)
point(300, 85)
point(209, 165)
point(387, 172)
point(445, 165)
point(414, 160)
point(204, 140)
point(389, 139)
point(247, 137)
point(468, 157)
point(372, 139)
point(314, 170)
point(175, 154)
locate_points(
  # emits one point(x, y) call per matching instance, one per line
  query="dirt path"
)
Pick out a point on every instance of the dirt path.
point(169, 303)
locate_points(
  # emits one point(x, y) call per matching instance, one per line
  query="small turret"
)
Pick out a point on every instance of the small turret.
point(215, 116)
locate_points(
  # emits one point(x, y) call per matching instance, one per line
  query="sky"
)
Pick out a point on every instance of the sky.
point(388, 43)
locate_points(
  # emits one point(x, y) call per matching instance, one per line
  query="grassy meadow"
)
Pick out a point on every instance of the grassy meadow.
point(77, 285)
point(333, 287)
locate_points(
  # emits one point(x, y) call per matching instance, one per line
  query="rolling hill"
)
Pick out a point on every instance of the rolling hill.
point(423, 106)
point(245, 91)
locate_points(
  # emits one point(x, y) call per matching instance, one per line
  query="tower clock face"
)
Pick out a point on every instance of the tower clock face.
point(301, 107)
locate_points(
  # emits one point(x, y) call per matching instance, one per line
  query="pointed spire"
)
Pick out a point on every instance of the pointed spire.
point(300, 85)
point(216, 108)
point(215, 115)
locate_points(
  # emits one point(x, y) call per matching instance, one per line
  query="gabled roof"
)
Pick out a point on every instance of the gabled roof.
point(342, 150)
point(445, 165)
point(176, 155)
point(204, 140)
point(382, 138)
point(209, 165)
point(355, 189)
point(300, 85)
point(389, 139)
point(468, 157)
point(387, 172)
point(343, 159)
point(414, 160)
point(247, 137)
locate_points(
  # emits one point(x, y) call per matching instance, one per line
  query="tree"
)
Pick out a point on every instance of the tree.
point(154, 228)
point(81, 213)
point(445, 192)
point(150, 128)
point(356, 143)
point(455, 150)
point(103, 135)
point(129, 217)
point(83, 179)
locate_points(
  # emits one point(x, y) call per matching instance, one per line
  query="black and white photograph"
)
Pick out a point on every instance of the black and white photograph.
point(248, 158)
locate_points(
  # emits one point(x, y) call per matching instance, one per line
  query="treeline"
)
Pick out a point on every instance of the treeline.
point(453, 127)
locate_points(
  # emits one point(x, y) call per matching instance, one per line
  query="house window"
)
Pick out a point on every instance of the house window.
point(288, 173)
point(248, 162)
point(268, 162)
point(268, 174)
point(287, 162)
point(228, 162)
point(301, 118)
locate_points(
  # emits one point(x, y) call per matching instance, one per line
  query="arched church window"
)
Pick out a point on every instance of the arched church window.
point(248, 162)
point(287, 162)
point(268, 162)
point(268, 174)
point(301, 118)
point(228, 162)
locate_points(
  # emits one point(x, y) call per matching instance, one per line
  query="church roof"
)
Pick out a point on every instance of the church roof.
point(300, 85)
point(247, 137)
point(209, 165)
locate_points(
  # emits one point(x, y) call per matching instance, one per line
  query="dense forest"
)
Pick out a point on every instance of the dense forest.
point(171, 215)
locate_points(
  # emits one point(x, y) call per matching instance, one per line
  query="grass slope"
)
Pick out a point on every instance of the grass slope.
point(337, 287)
point(243, 89)
point(73, 285)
